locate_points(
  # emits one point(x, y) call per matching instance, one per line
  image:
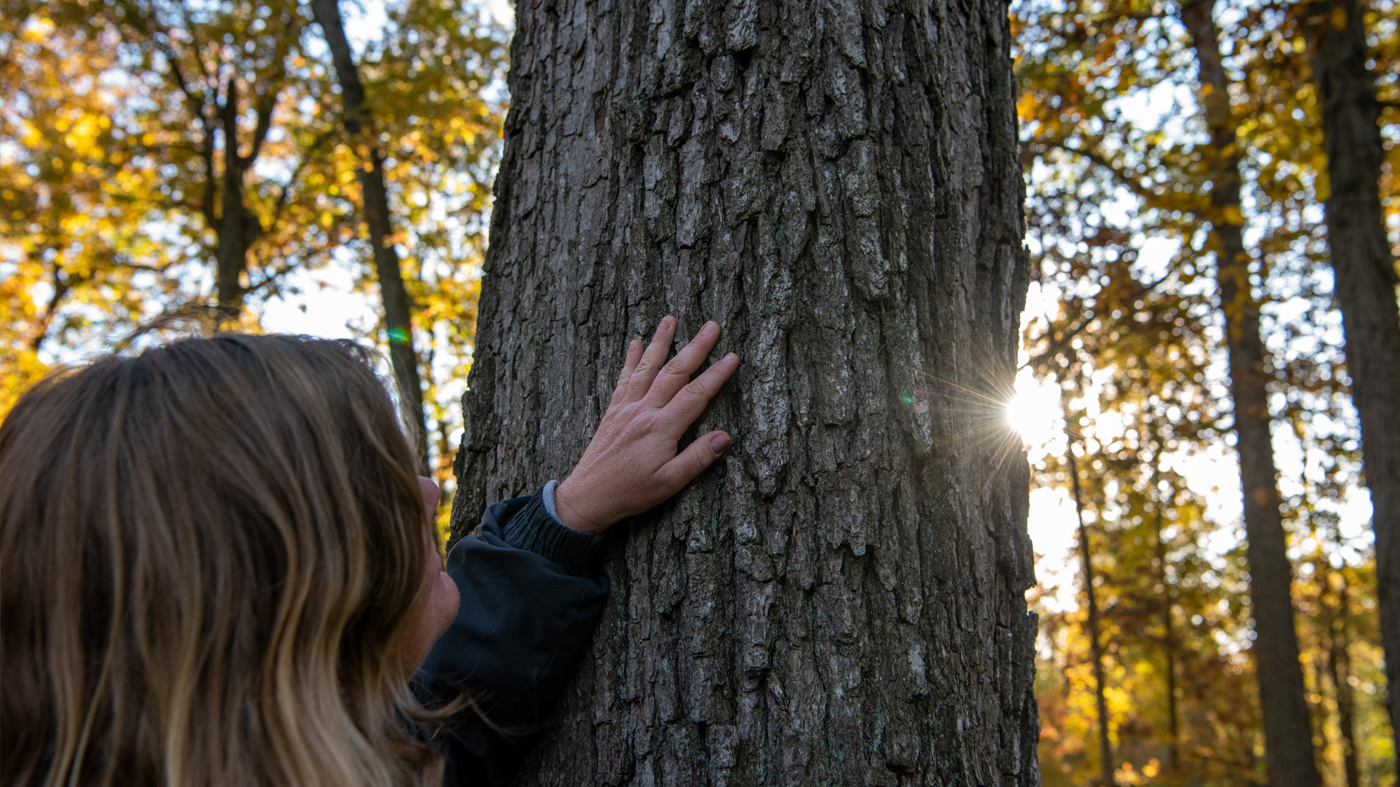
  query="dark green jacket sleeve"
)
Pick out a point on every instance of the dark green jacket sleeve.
point(532, 591)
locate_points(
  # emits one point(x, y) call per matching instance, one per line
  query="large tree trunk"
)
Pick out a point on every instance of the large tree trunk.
point(839, 600)
point(398, 308)
point(1365, 289)
point(1287, 724)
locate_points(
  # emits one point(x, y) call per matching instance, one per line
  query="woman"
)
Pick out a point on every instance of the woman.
point(216, 568)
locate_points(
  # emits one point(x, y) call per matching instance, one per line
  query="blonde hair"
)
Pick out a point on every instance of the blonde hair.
point(207, 555)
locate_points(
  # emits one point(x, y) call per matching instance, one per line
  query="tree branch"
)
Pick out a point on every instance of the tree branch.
point(1038, 362)
point(194, 41)
point(267, 102)
point(269, 277)
point(197, 106)
point(62, 285)
point(296, 172)
point(1130, 183)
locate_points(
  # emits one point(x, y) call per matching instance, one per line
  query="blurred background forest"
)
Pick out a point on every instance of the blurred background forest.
point(173, 167)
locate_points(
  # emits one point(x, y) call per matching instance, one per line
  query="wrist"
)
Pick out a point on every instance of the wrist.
point(573, 512)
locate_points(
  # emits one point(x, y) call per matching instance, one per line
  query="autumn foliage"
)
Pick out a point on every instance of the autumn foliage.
point(1124, 216)
point(170, 166)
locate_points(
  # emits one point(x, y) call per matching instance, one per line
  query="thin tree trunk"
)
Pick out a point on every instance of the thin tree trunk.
point(1169, 642)
point(237, 227)
point(840, 600)
point(1338, 665)
point(1287, 724)
point(1365, 289)
point(398, 308)
point(1095, 640)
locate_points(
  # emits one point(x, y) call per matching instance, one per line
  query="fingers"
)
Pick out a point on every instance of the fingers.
point(676, 373)
point(693, 460)
point(692, 398)
point(652, 360)
point(634, 355)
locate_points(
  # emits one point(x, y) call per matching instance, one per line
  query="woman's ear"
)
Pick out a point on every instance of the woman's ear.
point(431, 495)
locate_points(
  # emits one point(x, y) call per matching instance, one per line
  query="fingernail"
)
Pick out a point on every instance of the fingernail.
point(719, 442)
point(709, 329)
point(666, 322)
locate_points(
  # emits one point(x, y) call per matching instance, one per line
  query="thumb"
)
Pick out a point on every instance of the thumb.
point(695, 458)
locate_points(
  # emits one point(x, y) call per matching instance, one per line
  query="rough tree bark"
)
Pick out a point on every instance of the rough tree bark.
point(398, 308)
point(1287, 722)
point(1365, 290)
point(839, 600)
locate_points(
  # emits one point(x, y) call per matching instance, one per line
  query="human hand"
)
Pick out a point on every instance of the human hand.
point(631, 465)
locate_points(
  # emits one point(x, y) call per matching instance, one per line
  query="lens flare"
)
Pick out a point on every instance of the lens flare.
point(1034, 411)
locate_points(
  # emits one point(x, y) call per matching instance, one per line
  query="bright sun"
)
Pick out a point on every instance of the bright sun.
point(1034, 411)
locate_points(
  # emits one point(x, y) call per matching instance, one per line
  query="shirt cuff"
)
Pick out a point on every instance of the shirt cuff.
point(536, 529)
point(547, 494)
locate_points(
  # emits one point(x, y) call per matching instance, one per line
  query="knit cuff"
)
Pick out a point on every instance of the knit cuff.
point(536, 529)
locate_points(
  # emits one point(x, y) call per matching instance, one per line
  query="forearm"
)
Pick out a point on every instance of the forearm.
point(531, 593)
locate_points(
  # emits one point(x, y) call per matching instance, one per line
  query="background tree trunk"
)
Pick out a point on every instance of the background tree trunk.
point(839, 600)
point(1169, 639)
point(237, 227)
point(1338, 666)
point(398, 309)
point(1095, 637)
point(1365, 289)
point(1287, 724)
